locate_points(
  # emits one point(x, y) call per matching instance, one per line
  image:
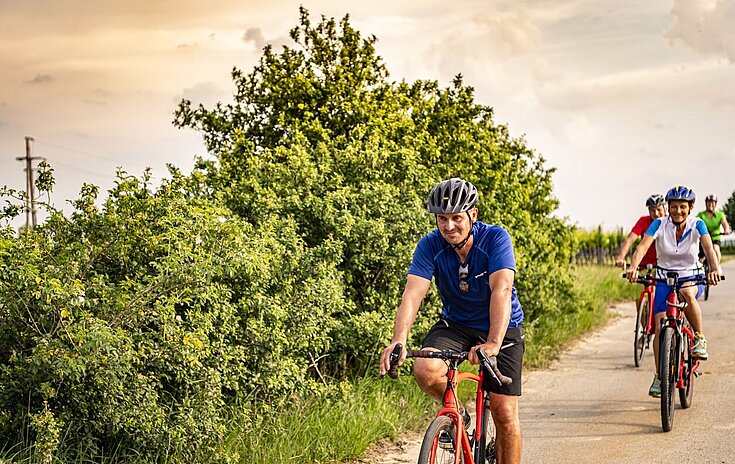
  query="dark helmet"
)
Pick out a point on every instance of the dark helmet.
point(655, 200)
point(711, 197)
point(452, 196)
point(681, 193)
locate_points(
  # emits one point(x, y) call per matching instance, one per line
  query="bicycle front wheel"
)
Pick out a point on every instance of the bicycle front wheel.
point(687, 393)
point(439, 445)
point(667, 373)
point(641, 323)
point(485, 452)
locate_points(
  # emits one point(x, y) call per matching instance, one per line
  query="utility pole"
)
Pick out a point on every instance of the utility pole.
point(30, 189)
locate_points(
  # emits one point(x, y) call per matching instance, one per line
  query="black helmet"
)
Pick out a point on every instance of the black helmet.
point(681, 193)
point(452, 196)
point(655, 200)
point(711, 197)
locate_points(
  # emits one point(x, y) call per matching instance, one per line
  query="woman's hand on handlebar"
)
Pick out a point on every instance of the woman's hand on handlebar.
point(632, 274)
point(713, 277)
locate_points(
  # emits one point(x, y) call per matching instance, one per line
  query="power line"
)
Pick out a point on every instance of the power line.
point(74, 150)
point(82, 170)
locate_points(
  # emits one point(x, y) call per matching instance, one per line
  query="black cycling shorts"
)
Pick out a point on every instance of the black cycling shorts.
point(447, 335)
point(701, 249)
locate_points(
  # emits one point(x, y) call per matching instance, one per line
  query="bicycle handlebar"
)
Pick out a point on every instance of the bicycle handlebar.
point(489, 363)
point(647, 279)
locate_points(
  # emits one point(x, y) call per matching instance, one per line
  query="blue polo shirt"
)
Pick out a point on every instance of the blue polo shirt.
point(491, 251)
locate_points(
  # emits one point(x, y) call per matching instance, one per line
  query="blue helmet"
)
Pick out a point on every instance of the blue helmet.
point(681, 193)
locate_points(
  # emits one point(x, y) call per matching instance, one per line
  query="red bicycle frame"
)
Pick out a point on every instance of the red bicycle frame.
point(449, 402)
point(675, 319)
point(650, 290)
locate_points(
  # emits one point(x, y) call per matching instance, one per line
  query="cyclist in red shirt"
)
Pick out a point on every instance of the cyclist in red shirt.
point(656, 209)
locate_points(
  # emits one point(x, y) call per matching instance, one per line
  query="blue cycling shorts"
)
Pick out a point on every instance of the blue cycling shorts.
point(662, 293)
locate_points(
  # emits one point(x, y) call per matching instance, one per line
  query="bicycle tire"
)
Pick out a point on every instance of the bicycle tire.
point(431, 452)
point(686, 394)
point(641, 322)
point(667, 373)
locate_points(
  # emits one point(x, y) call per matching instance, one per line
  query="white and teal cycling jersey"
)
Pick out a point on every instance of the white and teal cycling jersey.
point(682, 254)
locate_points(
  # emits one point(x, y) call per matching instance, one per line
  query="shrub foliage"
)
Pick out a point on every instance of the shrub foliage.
point(276, 264)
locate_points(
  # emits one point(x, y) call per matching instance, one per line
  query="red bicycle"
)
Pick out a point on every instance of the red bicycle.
point(677, 365)
point(447, 440)
point(644, 328)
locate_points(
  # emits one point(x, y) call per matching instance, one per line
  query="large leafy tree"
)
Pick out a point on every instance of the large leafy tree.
point(318, 133)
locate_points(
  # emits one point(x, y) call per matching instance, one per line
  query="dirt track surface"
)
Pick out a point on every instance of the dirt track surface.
point(593, 406)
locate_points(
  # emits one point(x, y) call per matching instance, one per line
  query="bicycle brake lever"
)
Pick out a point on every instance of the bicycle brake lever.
point(491, 366)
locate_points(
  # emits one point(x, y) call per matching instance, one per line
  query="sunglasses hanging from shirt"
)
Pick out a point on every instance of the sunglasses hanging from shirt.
point(464, 272)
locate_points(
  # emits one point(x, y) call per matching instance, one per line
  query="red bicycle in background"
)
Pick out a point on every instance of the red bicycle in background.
point(447, 440)
point(644, 328)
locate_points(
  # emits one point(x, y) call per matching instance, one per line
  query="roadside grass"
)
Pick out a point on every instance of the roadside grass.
point(597, 287)
point(334, 429)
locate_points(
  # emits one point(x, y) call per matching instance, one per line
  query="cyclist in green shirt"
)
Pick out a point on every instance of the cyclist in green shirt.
point(714, 220)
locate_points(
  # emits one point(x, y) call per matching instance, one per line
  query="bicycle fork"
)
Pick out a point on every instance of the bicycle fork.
point(451, 408)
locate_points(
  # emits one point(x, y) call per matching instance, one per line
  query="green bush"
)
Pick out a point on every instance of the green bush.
point(129, 328)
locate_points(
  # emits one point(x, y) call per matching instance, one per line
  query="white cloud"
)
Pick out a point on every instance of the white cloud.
point(580, 132)
point(705, 26)
point(510, 35)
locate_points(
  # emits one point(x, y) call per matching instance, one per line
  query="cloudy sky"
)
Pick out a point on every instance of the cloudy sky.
point(624, 97)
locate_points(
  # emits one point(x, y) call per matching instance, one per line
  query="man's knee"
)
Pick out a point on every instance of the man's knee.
point(505, 411)
point(428, 372)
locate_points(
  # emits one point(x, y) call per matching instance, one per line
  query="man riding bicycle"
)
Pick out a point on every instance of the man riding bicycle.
point(473, 266)
point(677, 237)
point(656, 208)
point(715, 222)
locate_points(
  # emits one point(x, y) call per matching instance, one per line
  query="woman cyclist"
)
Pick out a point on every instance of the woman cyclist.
point(677, 237)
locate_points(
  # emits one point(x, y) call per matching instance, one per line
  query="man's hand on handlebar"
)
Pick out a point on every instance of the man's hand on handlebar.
point(388, 356)
point(490, 349)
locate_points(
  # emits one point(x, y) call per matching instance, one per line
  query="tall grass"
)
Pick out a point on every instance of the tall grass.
point(336, 428)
